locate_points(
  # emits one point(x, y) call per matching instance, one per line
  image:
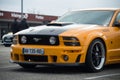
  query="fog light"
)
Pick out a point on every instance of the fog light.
point(65, 57)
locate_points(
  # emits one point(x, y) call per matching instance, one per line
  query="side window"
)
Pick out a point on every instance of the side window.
point(117, 20)
point(118, 17)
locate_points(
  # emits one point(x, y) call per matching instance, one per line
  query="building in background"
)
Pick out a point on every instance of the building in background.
point(7, 17)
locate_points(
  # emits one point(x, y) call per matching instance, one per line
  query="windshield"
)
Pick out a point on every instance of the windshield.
point(100, 17)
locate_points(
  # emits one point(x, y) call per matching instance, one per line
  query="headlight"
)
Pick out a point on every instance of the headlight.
point(71, 41)
point(52, 40)
point(23, 39)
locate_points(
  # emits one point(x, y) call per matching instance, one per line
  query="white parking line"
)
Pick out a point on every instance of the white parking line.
point(102, 76)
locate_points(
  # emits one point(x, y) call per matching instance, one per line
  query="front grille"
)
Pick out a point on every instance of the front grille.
point(54, 58)
point(36, 58)
point(38, 39)
point(78, 58)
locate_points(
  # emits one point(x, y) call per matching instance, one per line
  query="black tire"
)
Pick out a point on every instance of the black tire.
point(27, 66)
point(95, 58)
point(7, 45)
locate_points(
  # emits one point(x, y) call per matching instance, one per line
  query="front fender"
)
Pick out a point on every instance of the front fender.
point(87, 38)
point(90, 37)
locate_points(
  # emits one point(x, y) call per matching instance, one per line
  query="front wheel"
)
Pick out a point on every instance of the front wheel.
point(7, 45)
point(95, 58)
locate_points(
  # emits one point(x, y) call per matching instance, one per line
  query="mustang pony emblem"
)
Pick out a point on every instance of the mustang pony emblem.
point(37, 39)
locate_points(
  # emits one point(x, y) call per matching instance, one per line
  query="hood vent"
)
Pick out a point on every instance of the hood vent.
point(59, 24)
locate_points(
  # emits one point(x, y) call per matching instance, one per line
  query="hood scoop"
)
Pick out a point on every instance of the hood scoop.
point(59, 24)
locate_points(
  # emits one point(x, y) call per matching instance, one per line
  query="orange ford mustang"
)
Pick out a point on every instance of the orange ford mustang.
point(90, 37)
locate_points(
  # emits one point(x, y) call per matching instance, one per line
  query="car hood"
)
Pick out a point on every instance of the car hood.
point(8, 35)
point(57, 29)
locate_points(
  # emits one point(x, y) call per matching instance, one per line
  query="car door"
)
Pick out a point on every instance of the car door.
point(115, 43)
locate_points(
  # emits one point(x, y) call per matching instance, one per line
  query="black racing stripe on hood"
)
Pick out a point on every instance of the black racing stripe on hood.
point(45, 31)
point(51, 31)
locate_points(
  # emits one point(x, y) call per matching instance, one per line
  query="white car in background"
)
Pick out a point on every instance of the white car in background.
point(7, 39)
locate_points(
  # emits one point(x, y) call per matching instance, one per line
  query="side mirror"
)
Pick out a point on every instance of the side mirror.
point(117, 23)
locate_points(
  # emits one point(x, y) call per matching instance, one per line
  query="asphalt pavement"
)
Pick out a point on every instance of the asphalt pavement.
point(0, 42)
point(9, 71)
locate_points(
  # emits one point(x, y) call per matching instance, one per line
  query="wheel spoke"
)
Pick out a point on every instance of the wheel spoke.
point(97, 48)
point(96, 60)
point(96, 55)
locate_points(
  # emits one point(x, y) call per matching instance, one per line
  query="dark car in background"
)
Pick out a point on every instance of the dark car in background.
point(7, 39)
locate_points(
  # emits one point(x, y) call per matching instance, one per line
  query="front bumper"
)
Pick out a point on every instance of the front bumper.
point(52, 55)
point(47, 64)
point(7, 43)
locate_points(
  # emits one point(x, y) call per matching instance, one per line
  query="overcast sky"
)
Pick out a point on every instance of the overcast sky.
point(56, 7)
